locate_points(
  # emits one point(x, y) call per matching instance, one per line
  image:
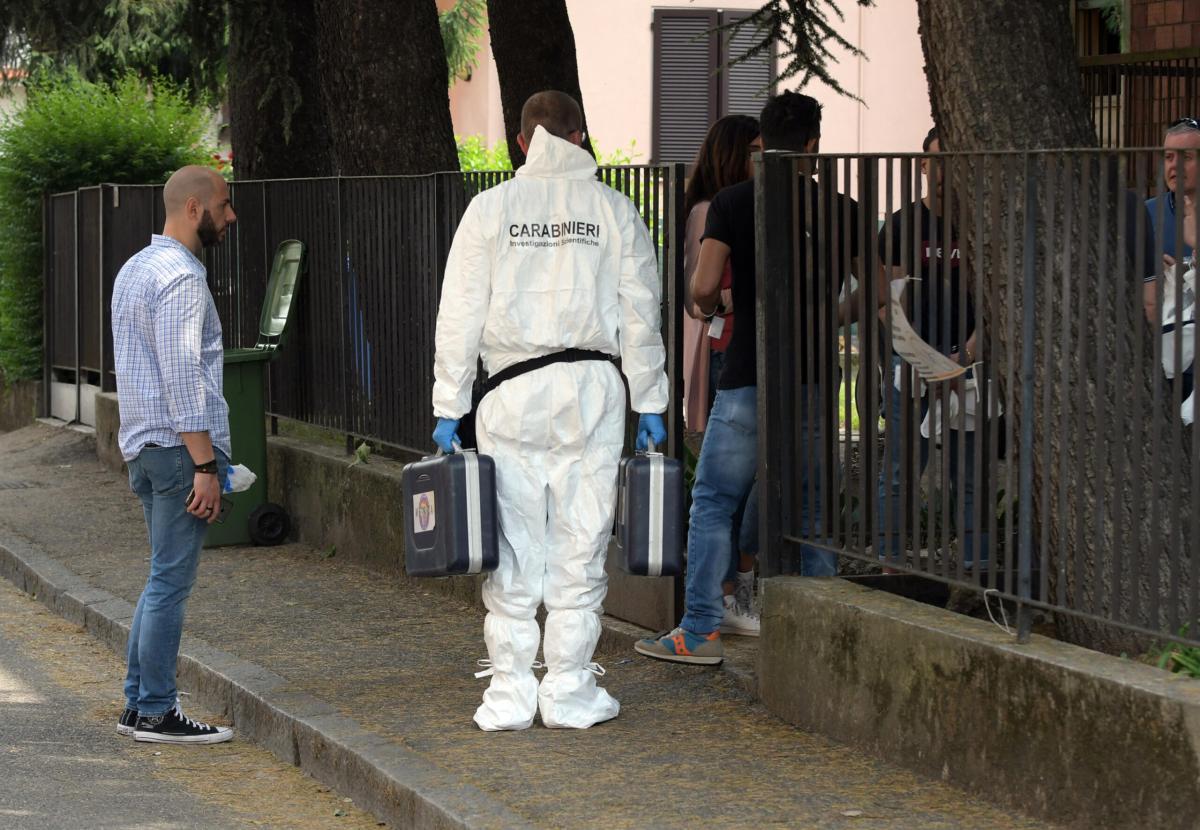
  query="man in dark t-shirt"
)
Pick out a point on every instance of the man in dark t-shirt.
point(941, 310)
point(729, 455)
point(731, 222)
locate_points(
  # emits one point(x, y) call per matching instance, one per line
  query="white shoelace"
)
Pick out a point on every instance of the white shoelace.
point(194, 724)
point(489, 670)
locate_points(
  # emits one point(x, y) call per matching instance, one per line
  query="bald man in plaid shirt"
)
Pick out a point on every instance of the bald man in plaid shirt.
point(174, 437)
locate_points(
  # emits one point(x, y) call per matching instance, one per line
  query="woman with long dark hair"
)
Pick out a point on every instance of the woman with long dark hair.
point(724, 159)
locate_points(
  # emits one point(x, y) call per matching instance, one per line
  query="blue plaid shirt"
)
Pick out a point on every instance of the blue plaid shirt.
point(168, 349)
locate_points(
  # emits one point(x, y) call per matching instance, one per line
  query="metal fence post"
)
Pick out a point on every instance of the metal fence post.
point(78, 321)
point(347, 365)
point(48, 301)
point(676, 291)
point(1025, 453)
point(774, 229)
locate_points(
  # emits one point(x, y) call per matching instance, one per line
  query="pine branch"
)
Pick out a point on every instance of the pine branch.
point(803, 32)
point(461, 27)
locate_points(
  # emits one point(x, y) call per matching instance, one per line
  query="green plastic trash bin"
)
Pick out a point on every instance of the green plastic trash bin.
point(253, 518)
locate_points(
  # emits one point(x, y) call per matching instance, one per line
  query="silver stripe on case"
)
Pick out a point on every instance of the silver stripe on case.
point(474, 524)
point(654, 533)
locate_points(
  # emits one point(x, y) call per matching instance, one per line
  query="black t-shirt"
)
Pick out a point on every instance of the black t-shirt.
point(731, 221)
point(939, 312)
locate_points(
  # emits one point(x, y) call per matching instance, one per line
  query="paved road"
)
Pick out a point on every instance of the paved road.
point(64, 767)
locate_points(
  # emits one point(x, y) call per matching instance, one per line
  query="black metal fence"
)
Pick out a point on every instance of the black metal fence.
point(1060, 471)
point(1134, 97)
point(359, 358)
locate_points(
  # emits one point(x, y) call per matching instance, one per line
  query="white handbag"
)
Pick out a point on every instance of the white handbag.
point(1178, 322)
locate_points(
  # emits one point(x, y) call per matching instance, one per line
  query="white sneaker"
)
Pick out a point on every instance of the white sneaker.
point(743, 589)
point(739, 620)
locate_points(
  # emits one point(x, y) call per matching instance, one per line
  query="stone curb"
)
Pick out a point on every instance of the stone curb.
point(395, 784)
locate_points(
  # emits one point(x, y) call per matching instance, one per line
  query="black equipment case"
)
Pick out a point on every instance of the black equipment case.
point(450, 521)
point(650, 515)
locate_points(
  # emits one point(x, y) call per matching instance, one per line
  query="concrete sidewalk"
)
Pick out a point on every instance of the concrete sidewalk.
point(367, 682)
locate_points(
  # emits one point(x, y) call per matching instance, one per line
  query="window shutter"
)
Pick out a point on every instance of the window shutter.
point(685, 89)
point(745, 86)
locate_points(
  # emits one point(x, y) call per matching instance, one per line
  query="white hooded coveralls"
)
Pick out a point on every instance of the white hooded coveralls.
point(551, 260)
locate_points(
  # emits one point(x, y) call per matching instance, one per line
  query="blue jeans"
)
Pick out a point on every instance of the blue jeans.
point(724, 477)
point(162, 477)
point(892, 468)
point(745, 532)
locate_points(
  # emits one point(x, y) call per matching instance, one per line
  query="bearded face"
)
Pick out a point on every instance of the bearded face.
point(208, 233)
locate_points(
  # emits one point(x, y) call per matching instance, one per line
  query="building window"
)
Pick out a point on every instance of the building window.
point(689, 91)
point(1094, 33)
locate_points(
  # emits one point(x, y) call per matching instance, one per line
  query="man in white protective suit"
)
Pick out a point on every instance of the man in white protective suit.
point(557, 268)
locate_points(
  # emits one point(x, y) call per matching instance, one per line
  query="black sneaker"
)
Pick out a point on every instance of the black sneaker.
point(174, 727)
point(127, 721)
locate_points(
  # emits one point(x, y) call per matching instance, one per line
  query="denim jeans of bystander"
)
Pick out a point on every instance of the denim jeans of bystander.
point(724, 477)
point(891, 470)
point(162, 477)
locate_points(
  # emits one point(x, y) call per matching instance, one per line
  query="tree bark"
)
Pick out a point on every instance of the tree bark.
point(277, 120)
point(534, 48)
point(1003, 76)
point(383, 72)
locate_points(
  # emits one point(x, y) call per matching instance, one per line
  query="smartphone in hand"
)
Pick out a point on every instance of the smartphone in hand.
point(226, 506)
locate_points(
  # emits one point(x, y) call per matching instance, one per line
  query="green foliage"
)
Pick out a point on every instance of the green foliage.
point(1179, 658)
point(1114, 16)
point(801, 28)
point(475, 156)
point(361, 453)
point(619, 156)
point(74, 133)
point(461, 27)
point(184, 40)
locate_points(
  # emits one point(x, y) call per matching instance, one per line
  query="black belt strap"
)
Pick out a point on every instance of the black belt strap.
point(565, 356)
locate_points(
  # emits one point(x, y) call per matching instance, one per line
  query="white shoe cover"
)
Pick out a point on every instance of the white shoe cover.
point(568, 696)
point(511, 699)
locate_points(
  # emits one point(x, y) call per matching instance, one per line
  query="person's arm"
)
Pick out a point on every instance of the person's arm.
point(706, 281)
point(462, 311)
point(643, 356)
point(178, 319)
point(967, 356)
point(848, 309)
point(1189, 221)
point(714, 255)
point(691, 254)
point(1150, 300)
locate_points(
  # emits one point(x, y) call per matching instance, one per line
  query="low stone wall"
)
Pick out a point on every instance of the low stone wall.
point(353, 509)
point(108, 422)
point(19, 403)
point(1078, 737)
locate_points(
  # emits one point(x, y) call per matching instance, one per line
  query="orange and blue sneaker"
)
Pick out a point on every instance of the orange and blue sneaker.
point(682, 646)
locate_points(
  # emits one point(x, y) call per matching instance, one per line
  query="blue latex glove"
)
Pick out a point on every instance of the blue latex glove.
point(445, 434)
point(651, 428)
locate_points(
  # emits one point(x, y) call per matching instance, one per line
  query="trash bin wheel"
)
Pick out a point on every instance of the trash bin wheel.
point(269, 524)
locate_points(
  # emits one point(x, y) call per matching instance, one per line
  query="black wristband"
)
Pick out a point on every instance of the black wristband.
point(209, 467)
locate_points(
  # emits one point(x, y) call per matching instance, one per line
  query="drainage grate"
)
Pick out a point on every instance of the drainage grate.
point(14, 485)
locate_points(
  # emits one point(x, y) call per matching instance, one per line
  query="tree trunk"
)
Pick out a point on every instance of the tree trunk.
point(383, 71)
point(278, 124)
point(1003, 76)
point(534, 48)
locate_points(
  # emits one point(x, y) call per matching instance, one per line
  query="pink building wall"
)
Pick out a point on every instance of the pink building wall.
point(614, 46)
